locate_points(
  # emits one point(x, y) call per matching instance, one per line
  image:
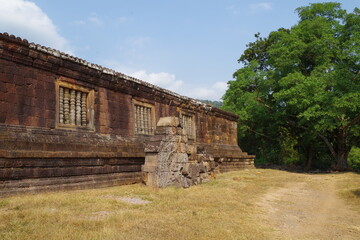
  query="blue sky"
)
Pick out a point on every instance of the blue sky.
point(190, 47)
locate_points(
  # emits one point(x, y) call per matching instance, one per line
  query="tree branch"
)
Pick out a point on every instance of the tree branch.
point(352, 122)
point(261, 134)
point(328, 144)
point(263, 102)
point(331, 148)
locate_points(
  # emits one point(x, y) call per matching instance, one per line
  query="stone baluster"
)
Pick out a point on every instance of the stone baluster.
point(148, 114)
point(72, 106)
point(146, 126)
point(141, 119)
point(137, 119)
point(149, 120)
point(61, 105)
point(144, 117)
point(78, 108)
point(83, 109)
point(145, 120)
point(66, 106)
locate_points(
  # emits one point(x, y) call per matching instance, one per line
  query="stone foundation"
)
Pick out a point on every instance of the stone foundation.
point(33, 185)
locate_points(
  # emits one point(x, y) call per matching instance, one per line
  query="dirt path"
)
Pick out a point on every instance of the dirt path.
point(310, 209)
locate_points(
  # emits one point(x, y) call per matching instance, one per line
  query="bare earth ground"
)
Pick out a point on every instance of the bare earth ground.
point(311, 209)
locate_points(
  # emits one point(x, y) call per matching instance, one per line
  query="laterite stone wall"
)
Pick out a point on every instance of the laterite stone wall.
point(38, 153)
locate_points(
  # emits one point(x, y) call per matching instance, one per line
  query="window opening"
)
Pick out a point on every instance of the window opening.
point(143, 123)
point(72, 107)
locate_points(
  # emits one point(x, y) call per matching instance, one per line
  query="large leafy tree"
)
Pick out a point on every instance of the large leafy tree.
point(298, 92)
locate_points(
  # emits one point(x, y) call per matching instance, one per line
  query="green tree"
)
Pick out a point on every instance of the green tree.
point(298, 92)
point(217, 104)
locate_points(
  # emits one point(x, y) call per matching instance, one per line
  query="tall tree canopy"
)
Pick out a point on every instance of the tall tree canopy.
point(298, 92)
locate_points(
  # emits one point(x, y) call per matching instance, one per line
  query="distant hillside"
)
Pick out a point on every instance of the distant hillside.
point(216, 104)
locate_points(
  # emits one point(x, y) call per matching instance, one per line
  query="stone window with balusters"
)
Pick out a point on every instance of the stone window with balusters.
point(187, 121)
point(144, 118)
point(74, 106)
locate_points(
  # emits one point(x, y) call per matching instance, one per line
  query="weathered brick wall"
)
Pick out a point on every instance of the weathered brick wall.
point(23, 100)
point(36, 153)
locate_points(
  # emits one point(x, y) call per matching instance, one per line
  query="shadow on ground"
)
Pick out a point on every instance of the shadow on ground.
point(356, 192)
point(299, 169)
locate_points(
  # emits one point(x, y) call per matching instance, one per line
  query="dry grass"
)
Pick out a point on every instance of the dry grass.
point(349, 189)
point(225, 208)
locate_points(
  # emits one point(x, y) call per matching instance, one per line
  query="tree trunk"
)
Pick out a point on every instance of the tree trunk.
point(341, 161)
point(310, 157)
point(342, 152)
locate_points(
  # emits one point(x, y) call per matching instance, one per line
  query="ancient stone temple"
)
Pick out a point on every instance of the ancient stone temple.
point(66, 123)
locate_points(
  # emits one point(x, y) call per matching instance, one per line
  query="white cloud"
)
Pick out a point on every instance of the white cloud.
point(220, 86)
point(161, 79)
point(214, 92)
point(170, 82)
point(26, 20)
point(261, 6)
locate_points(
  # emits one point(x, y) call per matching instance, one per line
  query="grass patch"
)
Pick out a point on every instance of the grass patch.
point(225, 208)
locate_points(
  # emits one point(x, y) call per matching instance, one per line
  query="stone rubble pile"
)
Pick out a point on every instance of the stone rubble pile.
point(171, 160)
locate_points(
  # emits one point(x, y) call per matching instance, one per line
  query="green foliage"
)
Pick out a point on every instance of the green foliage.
point(288, 146)
point(354, 158)
point(298, 91)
